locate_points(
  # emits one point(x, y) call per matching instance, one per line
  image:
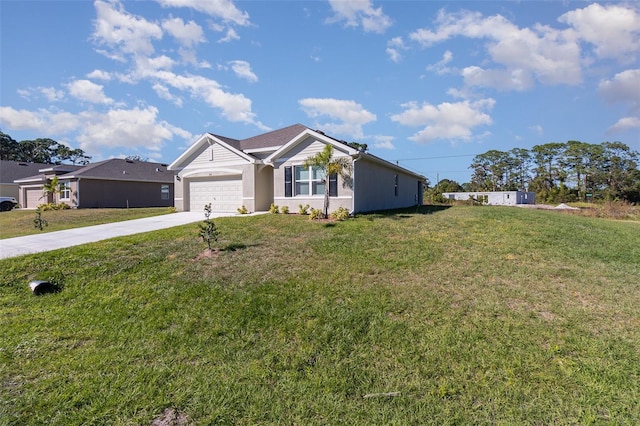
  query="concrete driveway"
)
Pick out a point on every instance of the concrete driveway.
point(18, 246)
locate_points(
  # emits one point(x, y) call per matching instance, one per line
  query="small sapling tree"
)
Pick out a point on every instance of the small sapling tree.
point(38, 221)
point(208, 231)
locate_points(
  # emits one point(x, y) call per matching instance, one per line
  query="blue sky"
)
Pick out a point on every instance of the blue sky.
point(427, 84)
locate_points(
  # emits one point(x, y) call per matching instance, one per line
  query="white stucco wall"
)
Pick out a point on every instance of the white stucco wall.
point(497, 198)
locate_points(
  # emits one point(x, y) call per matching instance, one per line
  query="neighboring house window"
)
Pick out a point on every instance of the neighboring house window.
point(164, 192)
point(395, 188)
point(65, 190)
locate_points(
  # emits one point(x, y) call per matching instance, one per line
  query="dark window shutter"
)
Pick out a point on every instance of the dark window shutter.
point(288, 182)
point(333, 185)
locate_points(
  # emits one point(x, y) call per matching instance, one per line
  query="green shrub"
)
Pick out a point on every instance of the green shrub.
point(340, 214)
point(284, 209)
point(53, 206)
point(303, 209)
point(243, 210)
point(315, 214)
point(273, 209)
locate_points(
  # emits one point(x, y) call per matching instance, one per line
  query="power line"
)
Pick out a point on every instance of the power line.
point(435, 158)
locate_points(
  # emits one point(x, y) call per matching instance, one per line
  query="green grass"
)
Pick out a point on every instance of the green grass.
point(17, 223)
point(475, 315)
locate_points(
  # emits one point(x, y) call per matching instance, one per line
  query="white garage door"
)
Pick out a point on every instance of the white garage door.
point(224, 194)
point(33, 198)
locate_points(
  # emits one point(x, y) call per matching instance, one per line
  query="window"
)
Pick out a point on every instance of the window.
point(65, 190)
point(164, 192)
point(308, 181)
point(395, 188)
point(287, 182)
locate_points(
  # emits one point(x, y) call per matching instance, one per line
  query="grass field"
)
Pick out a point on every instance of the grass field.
point(467, 315)
point(17, 223)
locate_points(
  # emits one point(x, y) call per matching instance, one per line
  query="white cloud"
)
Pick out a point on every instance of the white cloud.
point(146, 66)
point(360, 13)
point(99, 75)
point(502, 79)
point(625, 124)
point(614, 29)
point(234, 107)
point(394, 47)
point(441, 67)
point(453, 121)
point(537, 129)
point(222, 9)
point(163, 92)
point(88, 91)
point(242, 69)
point(549, 55)
point(351, 115)
point(130, 128)
point(120, 30)
point(188, 35)
point(43, 121)
point(51, 94)
point(383, 142)
point(131, 38)
point(229, 36)
point(624, 87)
point(123, 128)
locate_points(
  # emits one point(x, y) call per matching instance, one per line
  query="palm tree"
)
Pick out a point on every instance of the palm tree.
point(50, 188)
point(328, 165)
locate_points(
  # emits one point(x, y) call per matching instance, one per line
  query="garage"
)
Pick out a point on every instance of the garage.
point(33, 198)
point(224, 193)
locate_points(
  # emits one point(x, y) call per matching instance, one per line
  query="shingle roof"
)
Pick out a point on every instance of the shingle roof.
point(12, 170)
point(119, 169)
point(275, 138)
point(233, 142)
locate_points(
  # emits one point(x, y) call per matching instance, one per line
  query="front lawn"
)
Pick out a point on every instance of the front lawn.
point(463, 315)
point(17, 223)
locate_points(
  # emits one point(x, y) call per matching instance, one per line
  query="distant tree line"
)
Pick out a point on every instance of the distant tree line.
point(557, 172)
point(41, 150)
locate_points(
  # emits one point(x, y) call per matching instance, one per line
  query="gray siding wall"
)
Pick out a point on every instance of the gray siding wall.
point(121, 194)
point(10, 190)
point(375, 187)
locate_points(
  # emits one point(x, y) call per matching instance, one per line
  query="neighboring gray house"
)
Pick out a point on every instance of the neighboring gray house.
point(12, 170)
point(497, 198)
point(266, 169)
point(114, 183)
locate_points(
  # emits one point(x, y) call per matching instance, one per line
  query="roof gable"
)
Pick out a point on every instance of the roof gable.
point(209, 139)
point(302, 137)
